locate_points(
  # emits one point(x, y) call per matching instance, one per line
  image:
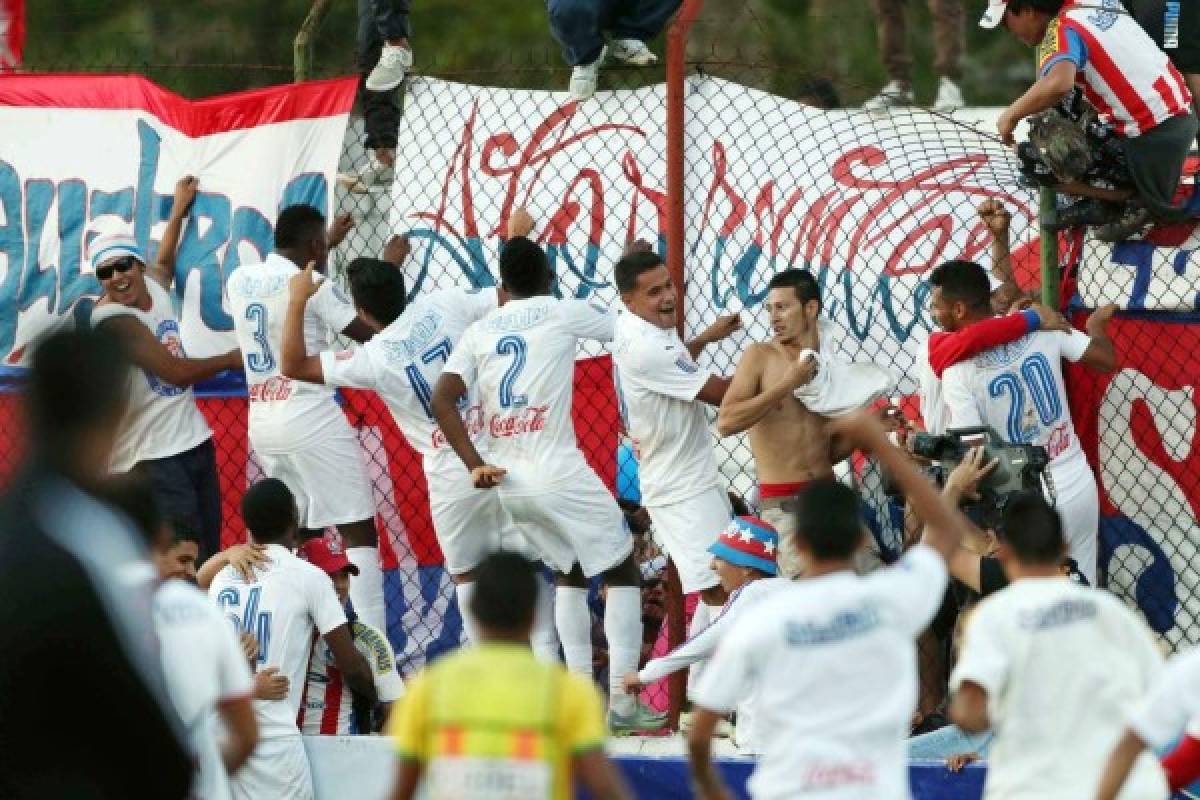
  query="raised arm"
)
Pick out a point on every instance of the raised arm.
point(1100, 355)
point(294, 361)
point(998, 221)
point(152, 355)
point(163, 270)
point(746, 402)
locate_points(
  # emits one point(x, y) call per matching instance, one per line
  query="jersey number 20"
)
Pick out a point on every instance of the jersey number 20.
point(1036, 375)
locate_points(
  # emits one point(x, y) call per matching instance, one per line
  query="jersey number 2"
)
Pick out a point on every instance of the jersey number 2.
point(264, 360)
point(251, 620)
point(514, 346)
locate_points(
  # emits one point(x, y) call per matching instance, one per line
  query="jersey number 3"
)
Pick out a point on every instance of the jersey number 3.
point(250, 619)
point(263, 360)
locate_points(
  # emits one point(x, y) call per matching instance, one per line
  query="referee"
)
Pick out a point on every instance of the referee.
point(75, 627)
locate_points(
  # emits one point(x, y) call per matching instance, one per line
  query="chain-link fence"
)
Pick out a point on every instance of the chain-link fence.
point(779, 173)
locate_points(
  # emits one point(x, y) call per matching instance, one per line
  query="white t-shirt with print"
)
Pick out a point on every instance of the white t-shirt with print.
point(403, 363)
point(1063, 666)
point(286, 602)
point(521, 359)
point(835, 662)
point(658, 381)
point(161, 419)
point(328, 704)
point(285, 415)
point(1173, 706)
point(204, 667)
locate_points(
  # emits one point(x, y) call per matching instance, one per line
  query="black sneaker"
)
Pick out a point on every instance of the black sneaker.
point(1085, 212)
point(1132, 221)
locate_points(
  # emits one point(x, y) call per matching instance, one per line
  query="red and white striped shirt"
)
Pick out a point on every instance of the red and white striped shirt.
point(327, 704)
point(1122, 72)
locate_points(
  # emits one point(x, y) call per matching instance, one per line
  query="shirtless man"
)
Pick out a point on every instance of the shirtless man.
point(791, 445)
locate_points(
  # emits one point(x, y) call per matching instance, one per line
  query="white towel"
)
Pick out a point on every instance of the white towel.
point(840, 387)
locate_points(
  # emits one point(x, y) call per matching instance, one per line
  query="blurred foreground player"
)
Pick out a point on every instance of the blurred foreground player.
point(494, 715)
point(75, 624)
point(833, 655)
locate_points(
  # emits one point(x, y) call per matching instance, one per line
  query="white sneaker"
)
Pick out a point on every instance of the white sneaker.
point(389, 73)
point(584, 78)
point(949, 97)
point(894, 95)
point(375, 173)
point(632, 51)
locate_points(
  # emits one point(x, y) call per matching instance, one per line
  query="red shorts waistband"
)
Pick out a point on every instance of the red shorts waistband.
point(768, 491)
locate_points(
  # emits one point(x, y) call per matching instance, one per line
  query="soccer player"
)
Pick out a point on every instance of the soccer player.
point(833, 655)
point(297, 430)
point(285, 602)
point(1053, 668)
point(328, 707)
point(494, 715)
point(663, 392)
point(162, 432)
point(1018, 390)
point(402, 363)
point(521, 361)
point(743, 557)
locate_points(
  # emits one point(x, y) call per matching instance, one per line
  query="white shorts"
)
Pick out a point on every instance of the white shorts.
point(277, 770)
point(327, 477)
point(687, 528)
point(1077, 501)
point(469, 527)
point(576, 522)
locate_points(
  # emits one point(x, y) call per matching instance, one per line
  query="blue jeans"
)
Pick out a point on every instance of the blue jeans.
point(948, 741)
point(579, 25)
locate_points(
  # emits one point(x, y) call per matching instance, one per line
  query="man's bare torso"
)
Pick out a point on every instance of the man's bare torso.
point(790, 444)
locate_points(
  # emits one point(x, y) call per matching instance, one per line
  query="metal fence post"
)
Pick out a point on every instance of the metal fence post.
point(302, 46)
point(1049, 248)
point(677, 37)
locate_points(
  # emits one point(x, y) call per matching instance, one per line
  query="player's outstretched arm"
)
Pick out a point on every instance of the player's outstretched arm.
point(163, 269)
point(294, 361)
point(153, 356)
point(744, 404)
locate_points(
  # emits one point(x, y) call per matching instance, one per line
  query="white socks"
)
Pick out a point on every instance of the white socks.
point(574, 623)
point(366, 588)
point(463, 592)
point(623, 629)
point(543, 639)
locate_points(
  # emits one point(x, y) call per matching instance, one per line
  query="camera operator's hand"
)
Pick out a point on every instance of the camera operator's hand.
point(963, 481)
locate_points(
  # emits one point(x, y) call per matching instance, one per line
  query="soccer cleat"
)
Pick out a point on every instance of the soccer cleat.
point(894, 95)
point(584, 78)
point(375, 173)
point(389, 72)
point(642, 719)
point(632, 51)
point(949, 97)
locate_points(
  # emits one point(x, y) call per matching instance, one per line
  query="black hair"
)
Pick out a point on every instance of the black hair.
point(524, 268)
point(963, 282)
point(799, 280)
point(297, 226)
point(828, 519)
point(506, 593)
point(1033, 529)
point(1049, 7)
point(631, 265)
point(740, 509)
point(78, 382)
point(377, 287)
point(133, 495)
point(269, 511)
point(183, 530)
point(819, 92)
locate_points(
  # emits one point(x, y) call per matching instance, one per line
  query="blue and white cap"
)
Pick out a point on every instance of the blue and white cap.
point(113, 245)
point(748, 542)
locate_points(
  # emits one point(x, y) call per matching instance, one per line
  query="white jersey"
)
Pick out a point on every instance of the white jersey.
point(204, 667)
point(161, 419)
point(1063, 666)
point(658, 381)
point(285, 415)
point(934, 413)
point(403, 362)
point(521, 358)
point(835, 662)
point(327, 707)
point(1018, 390)
point(1173, 706)
point(288, 599)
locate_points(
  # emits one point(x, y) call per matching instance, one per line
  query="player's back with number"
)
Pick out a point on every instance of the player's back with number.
point(283, 606)
point(521, 359)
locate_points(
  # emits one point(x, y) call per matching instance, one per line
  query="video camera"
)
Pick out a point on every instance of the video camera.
point(1019, 467)
point(1070, 143)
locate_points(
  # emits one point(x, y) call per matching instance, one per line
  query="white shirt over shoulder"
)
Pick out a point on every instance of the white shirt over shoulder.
point(162, 419)
point(658, 381)
point(1063, 666)
point(521, 358)
point(403, 362)
point(1173, 705)
point(285, 415)
point(286, 602)
point(835, 662)
point(204, 667)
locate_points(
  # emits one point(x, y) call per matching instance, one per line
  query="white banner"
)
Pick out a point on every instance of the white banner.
point(86, 153)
